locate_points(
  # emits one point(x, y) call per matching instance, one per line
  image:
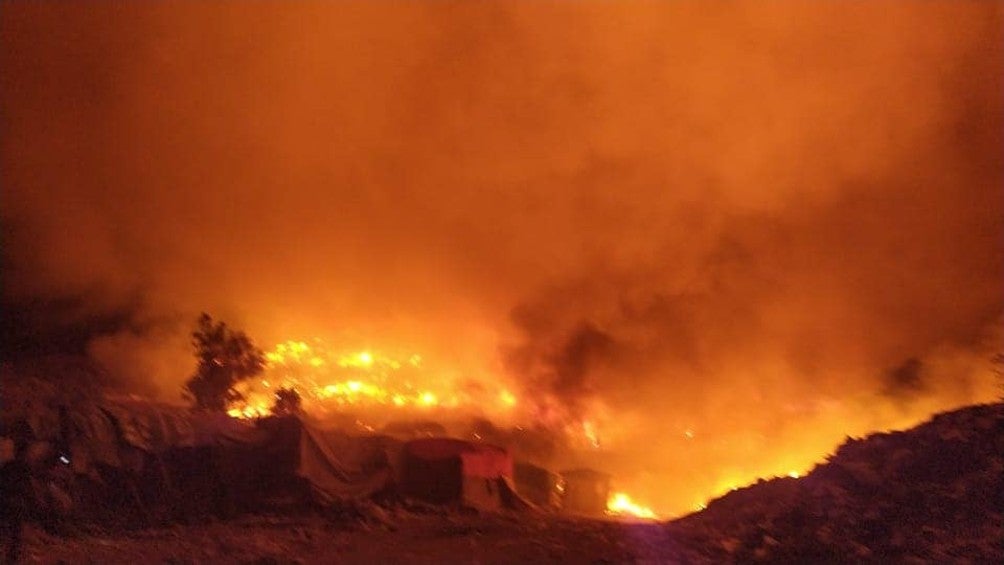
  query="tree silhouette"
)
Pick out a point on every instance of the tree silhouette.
point(287, 402)
point(226, 357)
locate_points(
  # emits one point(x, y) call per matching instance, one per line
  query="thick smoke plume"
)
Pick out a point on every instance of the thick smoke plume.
point(727, 234)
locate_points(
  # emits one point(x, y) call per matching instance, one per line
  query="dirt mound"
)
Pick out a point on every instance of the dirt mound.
point(932, 493)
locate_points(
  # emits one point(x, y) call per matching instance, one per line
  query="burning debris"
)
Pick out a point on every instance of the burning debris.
point(330, 381)
point(620, 504)
point(367, 382)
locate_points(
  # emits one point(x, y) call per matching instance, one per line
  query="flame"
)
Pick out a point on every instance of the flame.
point(507, 398)
point(589, 431)
point(620, 504)
point(732, 485)
point(371, 384)
point(329, 380)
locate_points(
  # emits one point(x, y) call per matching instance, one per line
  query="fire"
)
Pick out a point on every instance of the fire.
point(620, 504)
point(329, 380)
point(589, 431)
point(732, 485)
point(376, 387)
point(507, 398)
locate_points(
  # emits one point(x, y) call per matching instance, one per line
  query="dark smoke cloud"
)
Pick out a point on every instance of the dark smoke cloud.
point(906, 380)
point(733, 218)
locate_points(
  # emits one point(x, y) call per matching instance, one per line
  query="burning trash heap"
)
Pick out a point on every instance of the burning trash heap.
point(364, 425)
point(370, 392)
point(369, 427)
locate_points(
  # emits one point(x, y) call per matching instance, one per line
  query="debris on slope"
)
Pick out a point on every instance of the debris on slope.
point(932, 493)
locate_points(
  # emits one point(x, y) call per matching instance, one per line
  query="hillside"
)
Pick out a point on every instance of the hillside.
point(931, 493)
point(934, 493)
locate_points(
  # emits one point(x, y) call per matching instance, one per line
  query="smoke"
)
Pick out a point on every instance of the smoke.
point(905, 380)
point(733, 220)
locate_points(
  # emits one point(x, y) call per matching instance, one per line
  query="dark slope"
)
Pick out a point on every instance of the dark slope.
point(934, 493)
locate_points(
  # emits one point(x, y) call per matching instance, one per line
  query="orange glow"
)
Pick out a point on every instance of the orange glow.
point(507, 398)
point(733, 484)
point(330, 380)
point(620, 504)
point(685, 271)
point(589, 431)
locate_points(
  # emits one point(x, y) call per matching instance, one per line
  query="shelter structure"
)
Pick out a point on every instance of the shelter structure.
point(586, 491)
point(139, 462)
point(446, 470)
point(540, 486)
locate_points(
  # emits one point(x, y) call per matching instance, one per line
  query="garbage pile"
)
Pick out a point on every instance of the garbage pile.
point(934, 493)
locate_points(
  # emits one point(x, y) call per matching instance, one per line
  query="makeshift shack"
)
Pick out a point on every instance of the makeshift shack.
point(538, 485)
point(341, 466)
point(586, 491)
point(132, 461)
point(137, 461)
point(445, 470)
point(406, 430)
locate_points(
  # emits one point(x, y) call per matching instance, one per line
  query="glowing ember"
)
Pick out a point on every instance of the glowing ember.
point(327, 380)
point(620, 504)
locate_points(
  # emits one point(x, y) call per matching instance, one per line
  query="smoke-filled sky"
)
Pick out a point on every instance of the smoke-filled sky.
point(694, 212)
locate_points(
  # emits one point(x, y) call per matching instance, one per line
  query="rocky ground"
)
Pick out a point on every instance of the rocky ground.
point(933, 494)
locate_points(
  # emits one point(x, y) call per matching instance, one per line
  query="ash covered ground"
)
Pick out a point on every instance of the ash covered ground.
point(934, 493)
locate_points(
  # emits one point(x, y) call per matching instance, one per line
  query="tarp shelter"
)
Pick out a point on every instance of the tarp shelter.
point(540, 486)
point(337, 465)
point(445, 470)
point(406, 430)
point(253, 461)
point(586, 491)
point(153, 458)
point(139, 460)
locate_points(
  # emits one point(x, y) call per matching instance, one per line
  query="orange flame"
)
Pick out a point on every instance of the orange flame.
point(620, 504)
point(328, 380)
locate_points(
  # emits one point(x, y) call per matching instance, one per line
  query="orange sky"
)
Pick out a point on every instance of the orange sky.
point(734, 217)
